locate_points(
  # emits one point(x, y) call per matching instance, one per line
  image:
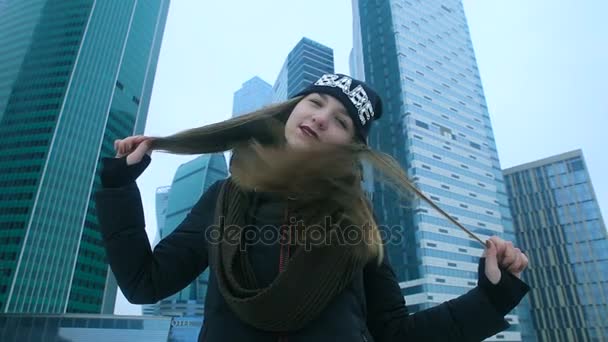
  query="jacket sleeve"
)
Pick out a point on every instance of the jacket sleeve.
point(473, 316)
point(146, 276)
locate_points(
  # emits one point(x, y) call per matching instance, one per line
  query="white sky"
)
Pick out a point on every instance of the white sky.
point(542, 65)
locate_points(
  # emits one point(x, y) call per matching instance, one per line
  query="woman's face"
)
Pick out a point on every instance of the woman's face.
point(319, 118)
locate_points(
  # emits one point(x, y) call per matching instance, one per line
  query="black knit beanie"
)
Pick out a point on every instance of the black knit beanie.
point(361, 102)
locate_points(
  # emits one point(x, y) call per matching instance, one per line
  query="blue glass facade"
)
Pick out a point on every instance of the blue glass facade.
point(74, 76)
point(87, 328)
point(253, 95)
point(560, 227)
point(418, 55)
point(191, 180)
point(162, 200)
point(305, 63)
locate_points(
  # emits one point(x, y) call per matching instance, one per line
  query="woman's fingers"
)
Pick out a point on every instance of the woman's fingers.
point(508, 257)
point(129, 145)
point(515, 266)
point(137, 155)
point(500, 246)
point(522, 265)
point(491, 267)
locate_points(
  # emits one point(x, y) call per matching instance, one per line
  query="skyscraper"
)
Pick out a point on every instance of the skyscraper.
point(191, 180)
point(559, 225)
point(254, 94)
point(74, 76)
point(418, 55)
point(305, 63)
point(162, 200)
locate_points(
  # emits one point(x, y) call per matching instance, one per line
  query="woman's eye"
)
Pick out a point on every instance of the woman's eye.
point(342, 123)
point(316, 102)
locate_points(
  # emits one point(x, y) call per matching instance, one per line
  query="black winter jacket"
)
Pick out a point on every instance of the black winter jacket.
point(372, 308)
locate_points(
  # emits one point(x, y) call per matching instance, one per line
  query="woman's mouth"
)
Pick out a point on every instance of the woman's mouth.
point(308, 131)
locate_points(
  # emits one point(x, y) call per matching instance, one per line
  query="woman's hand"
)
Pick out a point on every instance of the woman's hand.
point(501, 254)
point(134, 147)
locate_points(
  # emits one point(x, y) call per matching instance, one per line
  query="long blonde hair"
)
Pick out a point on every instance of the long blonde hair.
point(326, 181)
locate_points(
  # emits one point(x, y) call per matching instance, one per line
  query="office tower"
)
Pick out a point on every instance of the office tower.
point(418, 55)
point(162, 200)
point(559, 226)
point(254, 94)
point(75, 76)
point(305, 63)
point(191, 180)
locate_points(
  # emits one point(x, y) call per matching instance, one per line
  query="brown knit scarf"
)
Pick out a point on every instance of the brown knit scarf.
point(298, 294)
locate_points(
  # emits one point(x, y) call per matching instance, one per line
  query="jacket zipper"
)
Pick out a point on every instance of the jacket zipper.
point(284, 243)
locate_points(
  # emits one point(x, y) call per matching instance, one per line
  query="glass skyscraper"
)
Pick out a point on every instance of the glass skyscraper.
point(95, 328)
point(74, 76)
point(253, 95)
point(305, 63)
point(559, 226)
point(162, 200)
point(191, 180)
point(419, 56)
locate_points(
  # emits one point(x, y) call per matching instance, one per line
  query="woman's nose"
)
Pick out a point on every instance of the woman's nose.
point(320, 120)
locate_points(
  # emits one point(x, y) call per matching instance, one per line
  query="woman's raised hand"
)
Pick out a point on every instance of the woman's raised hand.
point(134, 147)
point(501, 254)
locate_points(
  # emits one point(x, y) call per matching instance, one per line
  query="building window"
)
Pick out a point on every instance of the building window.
point(422, 124)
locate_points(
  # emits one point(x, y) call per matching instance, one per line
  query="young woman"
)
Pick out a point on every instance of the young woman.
point(295, 176)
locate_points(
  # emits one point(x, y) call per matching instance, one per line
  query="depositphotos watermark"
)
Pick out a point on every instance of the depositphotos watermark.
point(297, 233)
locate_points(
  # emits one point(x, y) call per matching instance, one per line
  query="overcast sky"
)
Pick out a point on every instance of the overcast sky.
point(542, 65)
